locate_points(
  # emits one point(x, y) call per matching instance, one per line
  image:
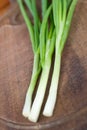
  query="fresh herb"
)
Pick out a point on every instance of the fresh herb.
point(47, 34)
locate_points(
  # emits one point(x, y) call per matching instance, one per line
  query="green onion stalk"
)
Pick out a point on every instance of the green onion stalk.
point(62, 19)
point(34, 37)
point(46, 51)
point(46, 35)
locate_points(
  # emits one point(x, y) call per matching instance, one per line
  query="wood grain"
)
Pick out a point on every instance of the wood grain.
point(16, 59)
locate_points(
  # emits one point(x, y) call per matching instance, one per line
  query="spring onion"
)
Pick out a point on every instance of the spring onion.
point(46, 64)
point(47, 33)
point(62, 24)
point(35, 46)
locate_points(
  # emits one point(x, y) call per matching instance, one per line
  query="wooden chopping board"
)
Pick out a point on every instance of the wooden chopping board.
point(16, 59)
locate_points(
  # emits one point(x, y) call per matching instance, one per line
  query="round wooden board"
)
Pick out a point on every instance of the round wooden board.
point(16, 60)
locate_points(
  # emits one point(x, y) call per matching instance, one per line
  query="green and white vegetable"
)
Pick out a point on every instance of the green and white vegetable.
point(34, 36)
point(62, 22)
point(47, 33)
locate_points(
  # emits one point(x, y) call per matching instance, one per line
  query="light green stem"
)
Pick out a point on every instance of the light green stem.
point(35, 74)
point(28, 22)
point(51, 100)
point(37, 104)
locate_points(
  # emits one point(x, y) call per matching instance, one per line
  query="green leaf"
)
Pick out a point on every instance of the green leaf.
point(43, 35)
point(68, 23)
point(28, 23)
point(29, 5)
point(44, 6)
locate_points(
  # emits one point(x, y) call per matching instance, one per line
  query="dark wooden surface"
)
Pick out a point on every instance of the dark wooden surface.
point(16, 58)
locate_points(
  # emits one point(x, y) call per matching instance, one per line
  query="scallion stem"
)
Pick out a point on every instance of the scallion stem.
point(60, 42)
point(51, 100)
point(36, 107)
point(35, 74)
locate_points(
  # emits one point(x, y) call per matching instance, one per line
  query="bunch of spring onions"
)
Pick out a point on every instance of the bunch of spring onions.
point(48, 34)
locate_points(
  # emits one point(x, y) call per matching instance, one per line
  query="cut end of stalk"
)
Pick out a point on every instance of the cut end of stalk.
point(32, 118)
point(47, 114)
point(25, 112)
point(50, 104)
point(26, 108)
point(48, 111)
point(34, 112)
